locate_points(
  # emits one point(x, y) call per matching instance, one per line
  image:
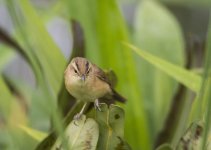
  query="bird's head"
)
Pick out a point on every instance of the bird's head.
point(79, 69)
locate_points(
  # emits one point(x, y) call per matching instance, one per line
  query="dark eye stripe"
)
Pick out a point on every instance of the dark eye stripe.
point(87, 66)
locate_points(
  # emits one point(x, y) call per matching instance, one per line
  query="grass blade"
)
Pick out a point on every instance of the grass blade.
point(187, 78)
point(37, 135)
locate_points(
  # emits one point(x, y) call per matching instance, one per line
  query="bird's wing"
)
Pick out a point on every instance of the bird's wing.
point(110, 74)
point(101, 74)
point(115, 96)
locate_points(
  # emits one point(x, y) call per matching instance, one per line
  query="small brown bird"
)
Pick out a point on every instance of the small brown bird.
point(87, 82)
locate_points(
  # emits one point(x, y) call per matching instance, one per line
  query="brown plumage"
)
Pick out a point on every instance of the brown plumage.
point(88, 83)
point(98, 79)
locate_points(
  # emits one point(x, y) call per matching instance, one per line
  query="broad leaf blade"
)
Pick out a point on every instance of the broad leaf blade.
point(81, 134)
point(111, 123)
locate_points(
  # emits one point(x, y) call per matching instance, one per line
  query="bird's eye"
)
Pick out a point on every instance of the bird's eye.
point(75, 71)
point(88, 71)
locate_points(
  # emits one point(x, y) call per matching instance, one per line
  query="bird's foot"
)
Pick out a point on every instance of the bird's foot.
point(77, 116)
point(97, 105)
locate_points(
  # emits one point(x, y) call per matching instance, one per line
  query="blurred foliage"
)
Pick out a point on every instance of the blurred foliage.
point(152, 26)
point(206, 94)
point(37, 135)
point(149, 78)
point(190, 3)
point(164, 147)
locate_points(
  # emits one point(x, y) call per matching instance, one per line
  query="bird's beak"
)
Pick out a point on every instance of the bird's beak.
point(83, 78)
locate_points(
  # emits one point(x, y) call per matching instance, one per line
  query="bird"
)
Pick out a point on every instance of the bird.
point(86, 82)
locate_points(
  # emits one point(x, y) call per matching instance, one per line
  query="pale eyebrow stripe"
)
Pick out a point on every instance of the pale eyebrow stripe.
point(76, 63)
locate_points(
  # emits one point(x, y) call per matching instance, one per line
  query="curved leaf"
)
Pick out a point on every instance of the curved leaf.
point(81, 134)
point(189, 79)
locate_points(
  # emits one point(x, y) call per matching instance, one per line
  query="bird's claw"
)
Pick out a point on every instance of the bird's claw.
point(97, 105)
point(77, 117)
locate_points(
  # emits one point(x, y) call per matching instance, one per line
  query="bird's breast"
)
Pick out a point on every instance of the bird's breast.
point(89, 90)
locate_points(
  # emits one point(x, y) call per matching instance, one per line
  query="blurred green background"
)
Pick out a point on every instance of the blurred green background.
point(164, 73)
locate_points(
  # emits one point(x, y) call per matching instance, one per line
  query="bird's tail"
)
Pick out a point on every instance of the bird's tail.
point(118, 97)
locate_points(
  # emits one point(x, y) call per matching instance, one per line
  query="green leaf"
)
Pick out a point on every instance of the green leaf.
point(111, 124)
point(157, 31)
point(180, 74)
point(81, 134)
point(36, 41)
point(37, 135)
